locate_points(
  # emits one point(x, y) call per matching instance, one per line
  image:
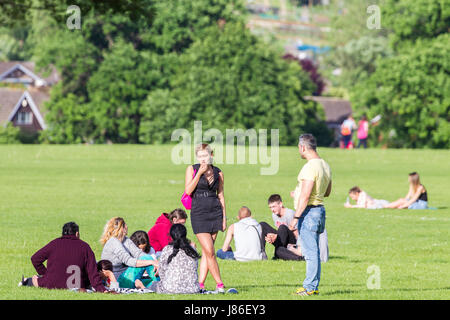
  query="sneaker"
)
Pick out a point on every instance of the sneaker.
point(202, 291)
point(219, 290)
point(21, 282)
point(303, 292)
point(25, 282)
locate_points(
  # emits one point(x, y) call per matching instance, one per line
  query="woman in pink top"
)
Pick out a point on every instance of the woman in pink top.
point(159, 234)
point(363, 131)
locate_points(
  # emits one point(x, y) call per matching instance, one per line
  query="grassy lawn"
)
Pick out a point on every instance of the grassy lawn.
point(42, 187)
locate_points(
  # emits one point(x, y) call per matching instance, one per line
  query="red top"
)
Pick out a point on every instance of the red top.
point(70, 264)
point(159, 234)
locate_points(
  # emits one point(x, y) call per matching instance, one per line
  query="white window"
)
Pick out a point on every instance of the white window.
point(24, 118)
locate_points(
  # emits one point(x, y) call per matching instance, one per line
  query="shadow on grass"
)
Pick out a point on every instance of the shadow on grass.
point(422, 289)
point(331, 258)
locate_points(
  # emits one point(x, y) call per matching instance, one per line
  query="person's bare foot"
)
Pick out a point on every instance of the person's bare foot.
point(294, 249)
point(138, 284)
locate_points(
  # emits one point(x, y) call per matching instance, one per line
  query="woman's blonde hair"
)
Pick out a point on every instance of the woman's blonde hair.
point(114, 228)
point(415, 180)
point(203, 146)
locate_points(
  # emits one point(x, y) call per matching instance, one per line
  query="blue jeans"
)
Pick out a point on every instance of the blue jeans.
point(225, 255)
point(310, 225)
point(419, 204)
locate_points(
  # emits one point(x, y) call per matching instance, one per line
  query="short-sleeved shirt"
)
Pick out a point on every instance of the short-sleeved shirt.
point(318, 171)
point(285, 219)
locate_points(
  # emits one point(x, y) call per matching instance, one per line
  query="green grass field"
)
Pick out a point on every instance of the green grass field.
point(42, 187)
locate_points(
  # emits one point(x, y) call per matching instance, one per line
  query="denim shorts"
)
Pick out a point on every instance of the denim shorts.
point(419, 204)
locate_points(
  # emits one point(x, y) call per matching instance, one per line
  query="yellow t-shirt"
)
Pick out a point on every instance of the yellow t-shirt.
point(318, 171)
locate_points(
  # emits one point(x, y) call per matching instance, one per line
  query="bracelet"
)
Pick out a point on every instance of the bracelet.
point(296, 217)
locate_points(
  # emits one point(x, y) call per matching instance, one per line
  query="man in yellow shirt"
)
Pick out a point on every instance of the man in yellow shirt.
point(314, 184)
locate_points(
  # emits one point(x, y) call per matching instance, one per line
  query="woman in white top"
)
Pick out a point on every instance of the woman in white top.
point(363, 200)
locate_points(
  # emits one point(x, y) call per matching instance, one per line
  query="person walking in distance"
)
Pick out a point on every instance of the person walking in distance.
point(314, 183)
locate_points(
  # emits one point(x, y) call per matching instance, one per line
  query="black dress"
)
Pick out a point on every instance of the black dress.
point(206, 210)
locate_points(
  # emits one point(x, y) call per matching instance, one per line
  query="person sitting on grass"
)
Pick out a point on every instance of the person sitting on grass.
point(159, 234)
point(363, 200)
point(247, 238)
point(282, 237)
point(178, 265)
point(71, 264)
point(416, 198)
point(285, 240)
point(134, 277)
point(105, 271)
point(122, 252)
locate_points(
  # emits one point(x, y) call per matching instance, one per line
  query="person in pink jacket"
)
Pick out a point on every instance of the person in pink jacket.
point(158, 235)
point(363, 131)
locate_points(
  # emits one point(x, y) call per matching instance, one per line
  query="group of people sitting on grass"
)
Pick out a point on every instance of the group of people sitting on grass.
point(161, 260)
point(417, 197)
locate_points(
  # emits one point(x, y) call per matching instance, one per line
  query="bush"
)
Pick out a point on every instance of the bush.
point(9, 134)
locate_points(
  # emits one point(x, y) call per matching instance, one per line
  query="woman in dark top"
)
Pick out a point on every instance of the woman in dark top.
point(208, 215)
point(417, 197)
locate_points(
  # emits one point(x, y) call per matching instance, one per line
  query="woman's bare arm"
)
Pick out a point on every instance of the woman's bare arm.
point(413, 198)
point(221, 196)
point(190, 183)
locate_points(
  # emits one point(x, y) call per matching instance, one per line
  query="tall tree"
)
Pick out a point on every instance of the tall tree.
point(231, 79)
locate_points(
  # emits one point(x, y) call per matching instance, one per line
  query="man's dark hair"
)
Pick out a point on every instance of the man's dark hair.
point(308, 140)
point(70, 228)
point(274, 198)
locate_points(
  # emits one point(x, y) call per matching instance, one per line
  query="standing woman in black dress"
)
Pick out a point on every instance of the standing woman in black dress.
point(208, 215)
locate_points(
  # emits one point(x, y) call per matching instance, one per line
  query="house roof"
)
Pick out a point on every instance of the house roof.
point(336, 109)
point(11, 98)
point(30, 69)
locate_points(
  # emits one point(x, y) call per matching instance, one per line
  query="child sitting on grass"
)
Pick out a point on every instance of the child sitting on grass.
point(105, 271)
point(140, 278)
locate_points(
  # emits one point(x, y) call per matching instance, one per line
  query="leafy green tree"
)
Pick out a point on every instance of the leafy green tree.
point(14, 12)
point(357, 60)
point(412, 92)
point(9, 134)
point(230, 79)
point(410, 20)
point(114, 61)
point(68, 118)
point(117, 90)
point(178, 22)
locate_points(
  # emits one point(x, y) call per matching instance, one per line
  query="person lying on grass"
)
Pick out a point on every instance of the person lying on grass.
point(363, 200)
point(70, 264)
point(122, 252)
